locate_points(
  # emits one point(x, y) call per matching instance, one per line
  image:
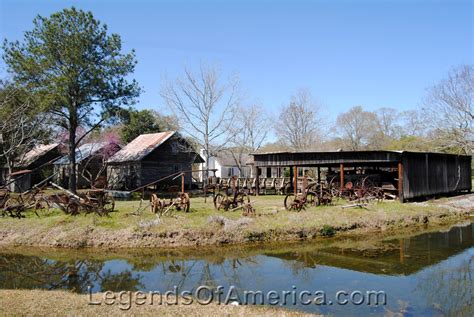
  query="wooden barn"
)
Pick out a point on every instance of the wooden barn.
point(150, 157)
point(412, 174)
point(91, 169)
point(40, 160)
point(34, 167)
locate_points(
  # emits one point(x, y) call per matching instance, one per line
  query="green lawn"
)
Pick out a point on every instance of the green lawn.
point(203, 222)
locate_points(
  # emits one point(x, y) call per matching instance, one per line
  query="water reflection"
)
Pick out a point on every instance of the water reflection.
point(427, 274)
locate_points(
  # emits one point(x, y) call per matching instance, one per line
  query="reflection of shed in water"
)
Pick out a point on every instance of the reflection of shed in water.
point(396, 257)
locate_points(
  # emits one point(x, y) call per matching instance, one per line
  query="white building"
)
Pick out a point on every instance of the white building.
point(226, 166)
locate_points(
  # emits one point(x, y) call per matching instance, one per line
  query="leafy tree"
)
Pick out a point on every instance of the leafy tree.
point(145, 121)
point(77, 69)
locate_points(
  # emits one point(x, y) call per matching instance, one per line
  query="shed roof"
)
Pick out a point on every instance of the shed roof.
point(140, 147)
point(83, 152)
point(35, 153)
point(334, 158)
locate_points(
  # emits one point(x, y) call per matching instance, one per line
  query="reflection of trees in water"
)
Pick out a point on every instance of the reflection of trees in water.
point(450, 288)
point(200, 272)
point(123, 281)
point(17, 271)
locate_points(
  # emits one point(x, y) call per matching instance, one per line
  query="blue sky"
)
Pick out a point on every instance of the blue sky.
point(369, 53)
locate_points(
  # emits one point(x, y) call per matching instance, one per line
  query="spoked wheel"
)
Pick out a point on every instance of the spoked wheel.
point(311, 199)
point(292, 202)
point(109, 203)
point(12, 207)
point(42, 207)
point(218, 201)
point(72, 208)
point(241, 199)
point(325, 197)
point(185, 202)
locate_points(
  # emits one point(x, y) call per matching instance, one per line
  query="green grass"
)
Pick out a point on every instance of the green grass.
point(272, 220)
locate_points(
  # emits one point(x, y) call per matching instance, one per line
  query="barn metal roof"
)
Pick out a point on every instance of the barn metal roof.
point(37, 152)
point(140, 147)
point(83, 152)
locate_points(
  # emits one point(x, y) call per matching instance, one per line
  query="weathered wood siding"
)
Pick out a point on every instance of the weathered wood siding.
point(167, 159)
point(163, 161)
point(428, 174)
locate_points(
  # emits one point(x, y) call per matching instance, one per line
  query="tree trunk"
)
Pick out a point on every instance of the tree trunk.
point(72, 157)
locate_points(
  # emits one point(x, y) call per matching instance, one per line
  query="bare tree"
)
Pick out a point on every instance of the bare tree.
point(21, 126)
point(250, 131)
point(388, 120)
point(299, 125)
point(450, 106)
point(356, 128)
point(205, 106)
point(413, 123)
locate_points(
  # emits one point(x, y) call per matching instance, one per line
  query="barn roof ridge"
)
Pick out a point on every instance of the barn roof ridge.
point(141, 146)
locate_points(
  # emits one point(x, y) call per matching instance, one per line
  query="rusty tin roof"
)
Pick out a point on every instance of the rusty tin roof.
point(35, 153)
point(140, 147)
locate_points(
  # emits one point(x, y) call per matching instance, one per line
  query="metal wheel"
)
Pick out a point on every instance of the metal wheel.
point(72, 208)
point(185, 202)
point(42, 207)
point(10, 207)
point(292, 203)
point(109, 203)
point(218, 201)
point(311, 199)
point(241, 199)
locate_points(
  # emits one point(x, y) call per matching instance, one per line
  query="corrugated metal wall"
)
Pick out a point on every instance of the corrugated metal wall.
point(426, 174)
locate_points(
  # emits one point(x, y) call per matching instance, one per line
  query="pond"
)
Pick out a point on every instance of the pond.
point(427, 274)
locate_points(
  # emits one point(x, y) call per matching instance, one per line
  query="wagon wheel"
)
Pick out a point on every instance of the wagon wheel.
point(325, 197)
point(311, 199)
point(367, 183)
point(241, 199)
point(185, 202)
point(42, 207)
point(219, 201)
point(72, 208)
point(154, 203)
point(377, 193)
point(11, 207)
point(293, 202)
point(109, 203)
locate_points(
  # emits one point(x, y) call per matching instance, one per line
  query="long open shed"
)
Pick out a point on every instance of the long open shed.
point(418, 174)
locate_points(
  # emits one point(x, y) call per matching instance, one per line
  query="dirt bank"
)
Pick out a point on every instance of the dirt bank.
point(205, 226)
point(62, 303)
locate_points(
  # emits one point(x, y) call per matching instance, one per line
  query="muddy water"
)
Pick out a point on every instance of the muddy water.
point(426, 274)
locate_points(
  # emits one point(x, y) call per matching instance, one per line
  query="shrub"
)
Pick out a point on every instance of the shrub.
point(327, 231)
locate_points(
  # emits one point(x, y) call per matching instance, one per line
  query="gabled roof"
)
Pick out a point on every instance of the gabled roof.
point(35, 153)
point(140, 147)
point(226, 159)
point(83, 152)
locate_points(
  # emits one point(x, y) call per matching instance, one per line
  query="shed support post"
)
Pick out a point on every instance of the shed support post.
point(257, 182)
point(319, 176)
point(319, 182)
point(341, 175)
point(182, 183)
point(400, 182)
point(295, 179)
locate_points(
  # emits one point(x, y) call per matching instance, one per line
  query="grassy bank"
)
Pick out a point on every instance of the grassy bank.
point(60, 303)
point(205, 226)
